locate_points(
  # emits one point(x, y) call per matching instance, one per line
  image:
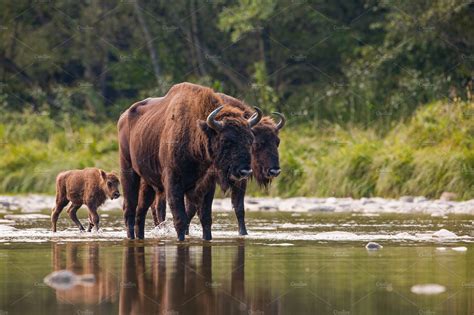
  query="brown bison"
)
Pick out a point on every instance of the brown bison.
point(90, 186)
point(265, 166)
point(171, 148)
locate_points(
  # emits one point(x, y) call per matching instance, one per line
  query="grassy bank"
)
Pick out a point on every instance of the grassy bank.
point(430, 153)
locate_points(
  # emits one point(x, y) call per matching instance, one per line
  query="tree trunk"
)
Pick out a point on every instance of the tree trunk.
point(149, 41)
point(196, 42)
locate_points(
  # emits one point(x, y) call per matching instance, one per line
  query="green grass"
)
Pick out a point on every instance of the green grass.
point(430, 153)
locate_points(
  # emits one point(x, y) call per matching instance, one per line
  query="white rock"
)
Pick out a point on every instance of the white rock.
point(32, 216)
point(280, 244)
point(459, 249)
point(428, 289)
point(443, 233)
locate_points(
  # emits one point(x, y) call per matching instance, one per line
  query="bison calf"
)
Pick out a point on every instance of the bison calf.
point(90, 186)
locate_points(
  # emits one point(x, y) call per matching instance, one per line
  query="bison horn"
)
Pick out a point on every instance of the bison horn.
point(282, 121)
point(255, 119)
point(212, 122)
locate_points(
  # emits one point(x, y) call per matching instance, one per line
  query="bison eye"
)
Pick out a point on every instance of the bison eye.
point(109, 184)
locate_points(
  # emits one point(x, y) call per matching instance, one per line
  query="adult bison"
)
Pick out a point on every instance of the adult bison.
point(265, 166)
point(171, 148)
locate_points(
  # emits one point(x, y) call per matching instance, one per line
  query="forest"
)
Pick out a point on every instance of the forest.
point(378, 94)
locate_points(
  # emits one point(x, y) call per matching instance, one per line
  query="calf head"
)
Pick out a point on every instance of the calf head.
point(265, 158)
point(230, 143)
point(110, 184)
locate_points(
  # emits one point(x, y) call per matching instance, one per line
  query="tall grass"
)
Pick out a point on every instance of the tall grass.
point(430, 153)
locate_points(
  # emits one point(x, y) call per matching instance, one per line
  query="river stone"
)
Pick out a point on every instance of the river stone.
point(322, 208)
point(420, 199)
point(448, 196)
point(407, 198)
point(373, 246)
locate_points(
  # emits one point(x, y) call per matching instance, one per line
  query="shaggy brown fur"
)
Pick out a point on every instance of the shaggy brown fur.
point(265, 158)
point(90, 186)
point(170, 148)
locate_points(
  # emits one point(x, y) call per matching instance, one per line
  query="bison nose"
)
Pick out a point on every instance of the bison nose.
point(274, 172)
point(245, 172)
point(116, 195)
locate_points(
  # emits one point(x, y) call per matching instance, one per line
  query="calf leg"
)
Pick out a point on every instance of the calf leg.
point(94, 216)
point(91, 223)
point(237, 198)
point(60, 204)
point(145, 199)
point(72, 214)
point(130, 182)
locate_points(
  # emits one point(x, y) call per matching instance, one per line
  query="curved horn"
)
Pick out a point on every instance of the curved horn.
point(255, 117)
point(212, 122)
point(282, 121)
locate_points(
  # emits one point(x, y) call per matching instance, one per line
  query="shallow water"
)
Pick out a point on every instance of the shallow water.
point(295, 263)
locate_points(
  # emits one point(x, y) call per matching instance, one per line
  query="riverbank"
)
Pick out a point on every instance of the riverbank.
point(405, 205)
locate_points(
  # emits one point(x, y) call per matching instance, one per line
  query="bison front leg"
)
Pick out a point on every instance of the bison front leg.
point(205, 213)
point(237, 197)
point(191, 209)
point(175, 198)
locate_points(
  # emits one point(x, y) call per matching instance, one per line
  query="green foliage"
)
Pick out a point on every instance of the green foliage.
point(430, 154)
point(353, 78)
point(415, 158)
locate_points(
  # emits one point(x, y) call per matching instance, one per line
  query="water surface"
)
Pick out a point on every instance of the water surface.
point(283, 266)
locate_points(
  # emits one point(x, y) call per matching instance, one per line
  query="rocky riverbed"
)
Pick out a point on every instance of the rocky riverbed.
point(407, 204)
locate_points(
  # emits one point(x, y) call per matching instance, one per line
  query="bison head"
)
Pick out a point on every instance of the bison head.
point(111, 184)
point(230, 142)
point(265, 159)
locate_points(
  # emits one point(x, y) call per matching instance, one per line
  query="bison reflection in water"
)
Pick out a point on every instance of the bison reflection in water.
point(171, 149)
point(180, 281)
point(84, 262)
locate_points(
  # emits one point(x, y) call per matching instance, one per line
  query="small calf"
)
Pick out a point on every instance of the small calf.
point(90, 186)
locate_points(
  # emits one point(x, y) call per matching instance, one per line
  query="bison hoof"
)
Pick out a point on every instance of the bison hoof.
point(181, 236)
point(243, 232)
point(187, 231)
point(206, 235)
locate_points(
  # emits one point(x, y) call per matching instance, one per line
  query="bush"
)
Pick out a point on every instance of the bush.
point(430, 153)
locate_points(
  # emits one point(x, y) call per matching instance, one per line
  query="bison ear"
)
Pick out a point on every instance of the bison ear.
point(103, 175)
point(202, 124)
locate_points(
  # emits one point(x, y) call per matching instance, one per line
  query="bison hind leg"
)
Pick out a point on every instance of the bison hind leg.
point(72, 211)
point(145, 199)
